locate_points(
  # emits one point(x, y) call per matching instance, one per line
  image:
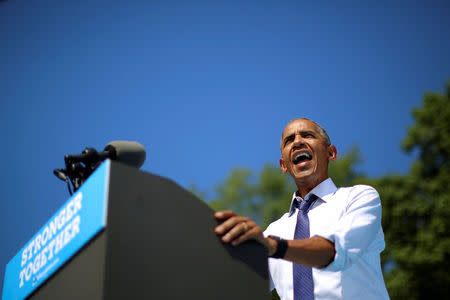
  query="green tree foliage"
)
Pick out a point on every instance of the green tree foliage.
point(263, 197)
point(343, 169)
point(416, 206)
point(416, 211)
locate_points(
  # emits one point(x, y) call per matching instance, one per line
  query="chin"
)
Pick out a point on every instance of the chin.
point(303, 176)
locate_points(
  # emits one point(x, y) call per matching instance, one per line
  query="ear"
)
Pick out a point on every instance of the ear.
point(283, 166)
point(332, 153)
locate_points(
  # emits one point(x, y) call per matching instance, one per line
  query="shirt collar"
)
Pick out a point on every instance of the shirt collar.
point(323, 190)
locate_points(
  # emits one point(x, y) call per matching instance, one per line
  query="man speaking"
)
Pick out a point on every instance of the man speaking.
point(328, 245)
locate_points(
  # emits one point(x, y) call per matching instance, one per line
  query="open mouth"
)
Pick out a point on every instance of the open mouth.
point(301, 157)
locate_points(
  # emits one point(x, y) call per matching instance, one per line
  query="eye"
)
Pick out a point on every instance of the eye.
point(288, 140)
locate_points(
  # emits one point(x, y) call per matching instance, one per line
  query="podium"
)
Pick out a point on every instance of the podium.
point(157, 243)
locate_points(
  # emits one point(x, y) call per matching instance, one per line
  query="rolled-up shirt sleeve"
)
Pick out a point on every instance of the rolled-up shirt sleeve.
point(357, 229)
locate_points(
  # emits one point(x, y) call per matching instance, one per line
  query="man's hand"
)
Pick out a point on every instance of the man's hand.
point(315, 252)
point(236, 229)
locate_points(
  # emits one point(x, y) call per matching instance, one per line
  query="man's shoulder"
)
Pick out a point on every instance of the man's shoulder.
point(357, 190)
point(358, 194)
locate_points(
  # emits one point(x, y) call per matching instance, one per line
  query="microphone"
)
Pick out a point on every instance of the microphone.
point(80, 166)
point(129, 153)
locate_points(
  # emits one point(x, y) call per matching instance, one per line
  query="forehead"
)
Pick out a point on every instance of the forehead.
point(299, 126)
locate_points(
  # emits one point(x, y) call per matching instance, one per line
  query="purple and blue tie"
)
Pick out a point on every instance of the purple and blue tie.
point(303, 280)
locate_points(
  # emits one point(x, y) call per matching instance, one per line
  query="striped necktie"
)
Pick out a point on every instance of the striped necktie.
point(303, 280)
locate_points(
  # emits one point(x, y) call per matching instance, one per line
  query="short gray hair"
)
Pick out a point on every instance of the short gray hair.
point(321, 130)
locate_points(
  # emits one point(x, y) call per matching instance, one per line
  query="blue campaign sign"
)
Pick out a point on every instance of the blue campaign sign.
point(71, 227)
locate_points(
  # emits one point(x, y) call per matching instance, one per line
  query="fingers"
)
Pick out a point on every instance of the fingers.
point(230, 223)
point(224, 214)
point(253, 233)
point(236, 229)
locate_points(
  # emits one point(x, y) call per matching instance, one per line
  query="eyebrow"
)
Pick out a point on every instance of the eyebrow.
point(308, 132)
point(302, 133)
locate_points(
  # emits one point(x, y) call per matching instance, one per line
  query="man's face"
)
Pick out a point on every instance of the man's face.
point(304, 153)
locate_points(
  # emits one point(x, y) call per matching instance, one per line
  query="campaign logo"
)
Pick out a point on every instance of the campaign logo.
point(69, 229)
point(58, 233)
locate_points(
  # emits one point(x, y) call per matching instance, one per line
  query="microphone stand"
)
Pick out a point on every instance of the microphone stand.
point(80, 166)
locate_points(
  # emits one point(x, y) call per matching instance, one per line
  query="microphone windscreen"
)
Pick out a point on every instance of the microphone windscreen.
point(130, 153)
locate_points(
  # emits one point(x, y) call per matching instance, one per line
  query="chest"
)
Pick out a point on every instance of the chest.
point(324, 216)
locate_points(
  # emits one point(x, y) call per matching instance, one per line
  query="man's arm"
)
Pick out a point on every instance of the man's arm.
point(315, 252)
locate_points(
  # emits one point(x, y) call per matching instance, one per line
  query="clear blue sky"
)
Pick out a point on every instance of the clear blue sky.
point(205, 86)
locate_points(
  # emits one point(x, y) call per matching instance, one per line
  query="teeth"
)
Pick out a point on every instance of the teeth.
point(301, 156)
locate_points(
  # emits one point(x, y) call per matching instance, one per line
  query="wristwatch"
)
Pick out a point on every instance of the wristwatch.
point(282, 246)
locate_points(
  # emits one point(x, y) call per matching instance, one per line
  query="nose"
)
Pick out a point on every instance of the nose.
point(298, 141)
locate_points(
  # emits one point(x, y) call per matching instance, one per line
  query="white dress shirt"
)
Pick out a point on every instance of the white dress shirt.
point(349, 217)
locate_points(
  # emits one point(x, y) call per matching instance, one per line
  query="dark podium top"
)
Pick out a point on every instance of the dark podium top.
point(159, 243)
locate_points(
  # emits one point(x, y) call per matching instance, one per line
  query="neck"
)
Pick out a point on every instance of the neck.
point(303, 187)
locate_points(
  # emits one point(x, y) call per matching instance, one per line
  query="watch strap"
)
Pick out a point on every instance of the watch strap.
point(282, 246)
